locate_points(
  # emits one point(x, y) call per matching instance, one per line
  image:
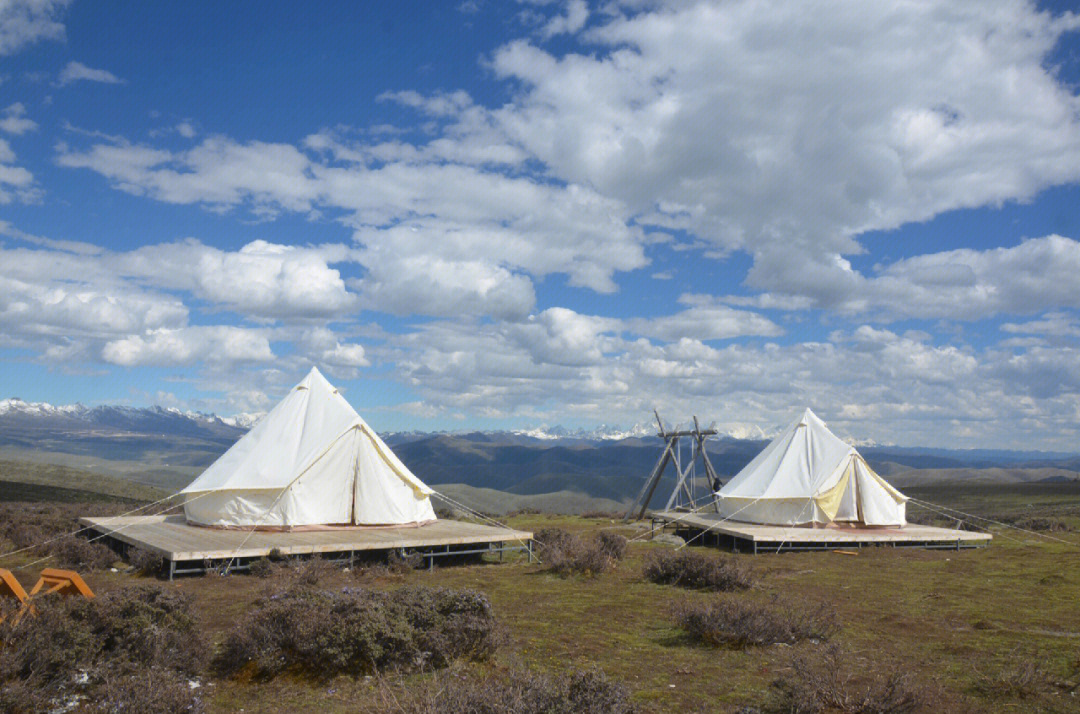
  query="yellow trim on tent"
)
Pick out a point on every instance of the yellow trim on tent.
point(829, 501)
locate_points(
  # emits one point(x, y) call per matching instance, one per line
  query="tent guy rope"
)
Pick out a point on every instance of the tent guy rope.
point(110, 532)
point(481, 516)
point(928, 505)
point(713, 525)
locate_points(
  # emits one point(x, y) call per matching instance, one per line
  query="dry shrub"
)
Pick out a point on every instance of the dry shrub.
point(399, 564)
point(691, 569)
point(145, 561)
point(824, 681)
point(1018, 680)
point(356, 630)
point(925, 518)
point(124, 631)
point(310, 571)
point(551, 538)
point(50, 647)
point(261, 568)
point(738, 622)
point(1051, 525)
point(152, 626)
point(613, 544)
point(20, 697)
point(147, 691)
point(516, 692)
point(27, 524)
point(25, 535)
point(603, 515)
point(566, 553)
point(82, 554)
point(53, 529)
point(286, 573)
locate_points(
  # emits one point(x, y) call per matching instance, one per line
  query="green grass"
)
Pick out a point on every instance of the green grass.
point(31, 492)
point(951, 619)
point(65, 478)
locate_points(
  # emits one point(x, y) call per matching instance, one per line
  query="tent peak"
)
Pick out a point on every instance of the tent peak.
point(315, 377)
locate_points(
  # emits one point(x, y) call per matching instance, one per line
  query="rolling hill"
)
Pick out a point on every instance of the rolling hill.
point(554, 469)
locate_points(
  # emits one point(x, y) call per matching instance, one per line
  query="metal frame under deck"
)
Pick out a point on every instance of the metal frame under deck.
point(746, 544)
point(190, 549)
point(345, 558)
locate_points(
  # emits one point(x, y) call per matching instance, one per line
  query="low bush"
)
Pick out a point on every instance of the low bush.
point(691, 569)
point(82, 554)
point(261, 568)
point(399, 564)
point(613, 544)
point(517, 692)
point(359, 631)
point(566, 554)
point(145, 561)
point(824, 681)
point(124, 631)
point(285, 574)
point(146, 691)
point(25, 535)
point(603, 515)
point(30, 524)
point(310, 571)
point(1036, 523)
point(738, 622)
point(550, 539)
point(18, 697)
point(152, 626)
point(938, 520)
point(1022, 679)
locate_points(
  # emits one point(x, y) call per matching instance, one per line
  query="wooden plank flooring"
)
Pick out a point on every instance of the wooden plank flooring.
point(911, 533)
point(175, 540)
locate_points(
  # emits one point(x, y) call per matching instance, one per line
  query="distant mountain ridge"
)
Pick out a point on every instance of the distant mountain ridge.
point(167, 447)
point(139, 418)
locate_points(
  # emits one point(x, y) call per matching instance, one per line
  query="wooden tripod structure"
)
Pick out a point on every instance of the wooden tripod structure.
point(684, 486)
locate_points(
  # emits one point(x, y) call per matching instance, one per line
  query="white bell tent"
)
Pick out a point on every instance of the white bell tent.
point(808, 476)
point(311, 461)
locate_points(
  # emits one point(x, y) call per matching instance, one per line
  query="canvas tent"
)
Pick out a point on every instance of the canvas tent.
point(311, 461)
point(808, 476)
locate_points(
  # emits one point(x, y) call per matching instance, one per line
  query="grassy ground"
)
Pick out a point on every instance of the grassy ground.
point(958, 622)
point(67, 478)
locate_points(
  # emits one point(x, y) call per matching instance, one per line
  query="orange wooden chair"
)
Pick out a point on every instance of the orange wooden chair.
point(11, 589)
point(51, 580)
point(64, 582)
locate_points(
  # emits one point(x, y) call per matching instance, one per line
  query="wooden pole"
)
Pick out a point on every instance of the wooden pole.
point(649, 488)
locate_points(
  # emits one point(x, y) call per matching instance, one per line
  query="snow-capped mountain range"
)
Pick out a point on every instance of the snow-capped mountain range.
point(115, 415)
point(605, 432)
point(168, 420)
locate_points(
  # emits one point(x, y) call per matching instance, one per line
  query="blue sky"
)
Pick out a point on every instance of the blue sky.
point(502, 215)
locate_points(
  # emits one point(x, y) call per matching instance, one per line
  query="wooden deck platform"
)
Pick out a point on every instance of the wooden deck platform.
point(189, 548)
point(755, 538)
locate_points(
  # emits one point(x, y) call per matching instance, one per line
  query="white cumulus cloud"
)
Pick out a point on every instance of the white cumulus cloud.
point(78, 72)
point(15, 120)
point(188, 345)
point(24, 22)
